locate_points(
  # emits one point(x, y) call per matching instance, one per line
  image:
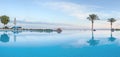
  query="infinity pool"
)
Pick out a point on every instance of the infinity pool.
point(66, 44)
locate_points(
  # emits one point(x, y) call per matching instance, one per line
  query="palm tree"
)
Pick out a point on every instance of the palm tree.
point(4, 19)
point(111, 20)
point(92, 18)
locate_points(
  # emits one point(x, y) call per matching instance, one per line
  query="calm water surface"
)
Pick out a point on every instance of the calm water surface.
point(65, 44)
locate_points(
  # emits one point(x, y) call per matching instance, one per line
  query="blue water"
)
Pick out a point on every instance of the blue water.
point(65, 44)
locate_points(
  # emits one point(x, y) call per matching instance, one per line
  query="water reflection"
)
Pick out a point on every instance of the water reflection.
point(111, 38)
point(14, 37)
point(53, 37)
point(15, 32)
point(92, 41)
point(4, 38)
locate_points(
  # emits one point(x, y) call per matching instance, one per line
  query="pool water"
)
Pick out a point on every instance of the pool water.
point(101, 43)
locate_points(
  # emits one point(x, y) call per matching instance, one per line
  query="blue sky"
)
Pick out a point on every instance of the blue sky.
point(72, 12)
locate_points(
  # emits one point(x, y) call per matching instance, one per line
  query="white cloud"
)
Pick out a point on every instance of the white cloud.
point(80, 11)
point(72, 9)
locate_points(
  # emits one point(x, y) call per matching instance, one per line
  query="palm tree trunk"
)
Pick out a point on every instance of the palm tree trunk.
point(92, 25)
point(92, 30)
point(111, 28)
point(111, 25)
point(4, 26)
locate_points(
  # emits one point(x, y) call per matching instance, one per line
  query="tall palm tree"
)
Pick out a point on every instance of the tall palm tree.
point(4, 19)
point(92, 18)
point(111, 20)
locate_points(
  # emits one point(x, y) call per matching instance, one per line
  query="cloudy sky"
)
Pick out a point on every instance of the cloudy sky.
point(61, 13)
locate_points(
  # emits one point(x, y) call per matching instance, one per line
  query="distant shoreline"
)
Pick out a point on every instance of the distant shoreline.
point(1, 29)
point(32, 30)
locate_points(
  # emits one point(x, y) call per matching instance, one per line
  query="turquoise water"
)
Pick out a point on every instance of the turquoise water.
point(65, 44)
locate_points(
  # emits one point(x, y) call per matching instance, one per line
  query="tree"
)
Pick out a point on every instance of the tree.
point(92, 18)
point(4, 19)
point(111, 20)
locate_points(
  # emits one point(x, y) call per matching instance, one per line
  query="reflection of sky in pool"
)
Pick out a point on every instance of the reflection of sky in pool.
point(66, 44)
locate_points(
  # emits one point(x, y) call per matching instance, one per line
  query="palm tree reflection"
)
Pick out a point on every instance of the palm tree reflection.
point(14, 35)
point(4, 38)
point(92, 41)
point(111, 38)
point(15, 32)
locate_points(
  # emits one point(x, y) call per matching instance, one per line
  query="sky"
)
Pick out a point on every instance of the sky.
point(60, 13)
